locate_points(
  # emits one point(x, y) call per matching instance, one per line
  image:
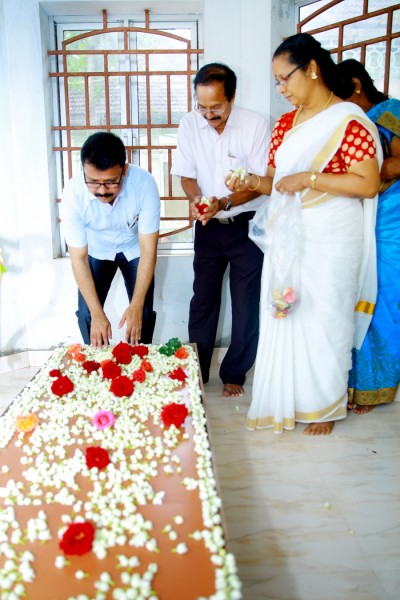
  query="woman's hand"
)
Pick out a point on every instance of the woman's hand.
point(291, 184)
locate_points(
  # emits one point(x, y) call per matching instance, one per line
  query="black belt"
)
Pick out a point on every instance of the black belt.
point(241, 217)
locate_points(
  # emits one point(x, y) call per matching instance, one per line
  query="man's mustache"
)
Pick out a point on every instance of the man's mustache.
point(104, 195)
point(214, 119)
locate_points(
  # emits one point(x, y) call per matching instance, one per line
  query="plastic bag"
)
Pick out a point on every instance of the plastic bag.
point(258, 227)
point(284, 241)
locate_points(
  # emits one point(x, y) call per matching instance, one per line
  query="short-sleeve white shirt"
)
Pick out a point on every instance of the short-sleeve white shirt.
point(207, 156)
point(105, 228)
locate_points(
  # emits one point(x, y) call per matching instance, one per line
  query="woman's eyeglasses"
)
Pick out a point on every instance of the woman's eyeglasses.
point(283, 81)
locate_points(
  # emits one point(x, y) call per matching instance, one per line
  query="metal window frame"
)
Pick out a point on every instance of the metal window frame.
point(65, 128)
point(341, 47)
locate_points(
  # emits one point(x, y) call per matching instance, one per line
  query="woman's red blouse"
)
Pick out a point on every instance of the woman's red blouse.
point(357, 144)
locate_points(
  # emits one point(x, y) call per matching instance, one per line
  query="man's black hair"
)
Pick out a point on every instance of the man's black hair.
point(103, 150)
point(217, 72)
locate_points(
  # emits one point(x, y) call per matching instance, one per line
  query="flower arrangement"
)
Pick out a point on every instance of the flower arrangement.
point(283, 302)
point(117, 446)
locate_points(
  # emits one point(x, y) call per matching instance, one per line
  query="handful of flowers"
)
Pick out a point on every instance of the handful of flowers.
point(283, 302)
point(203, 204)
point(240, 173)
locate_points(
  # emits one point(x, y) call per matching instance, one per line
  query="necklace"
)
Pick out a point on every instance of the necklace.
point(301, 108)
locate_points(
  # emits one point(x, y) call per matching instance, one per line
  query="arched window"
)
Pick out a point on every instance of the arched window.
point(135, 80)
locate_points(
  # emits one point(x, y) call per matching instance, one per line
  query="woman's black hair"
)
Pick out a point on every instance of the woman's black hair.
point(350, 68)
point(217, 72)
point(301, 48)
point(103, 150)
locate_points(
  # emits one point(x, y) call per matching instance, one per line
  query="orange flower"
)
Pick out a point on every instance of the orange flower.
point(26, 423)
point(181, 353)
point(72, 350)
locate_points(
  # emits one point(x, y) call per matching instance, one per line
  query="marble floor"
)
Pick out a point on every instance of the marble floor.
point(308, 518)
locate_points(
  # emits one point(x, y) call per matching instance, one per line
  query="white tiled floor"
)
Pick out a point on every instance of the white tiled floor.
point(308, 518)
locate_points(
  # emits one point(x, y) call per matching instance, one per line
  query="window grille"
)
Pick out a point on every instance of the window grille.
point(137, 83)
point(370, 33)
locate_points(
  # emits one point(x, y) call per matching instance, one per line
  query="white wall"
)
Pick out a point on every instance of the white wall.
point(38, 293)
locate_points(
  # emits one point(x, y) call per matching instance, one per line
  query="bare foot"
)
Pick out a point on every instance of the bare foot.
point(350, 405)
point(232, 389)
point(319, 428)
point(362, 409)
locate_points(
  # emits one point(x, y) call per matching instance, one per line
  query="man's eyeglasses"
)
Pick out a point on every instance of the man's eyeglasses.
point(283, 81)
point(218, 109)
point(95, 185)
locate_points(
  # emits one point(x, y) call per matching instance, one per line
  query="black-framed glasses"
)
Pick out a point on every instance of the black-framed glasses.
point(218, 109)
point(95, 185)
point(283, 81)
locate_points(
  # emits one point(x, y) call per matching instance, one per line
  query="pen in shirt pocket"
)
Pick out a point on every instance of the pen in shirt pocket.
point(134, 221)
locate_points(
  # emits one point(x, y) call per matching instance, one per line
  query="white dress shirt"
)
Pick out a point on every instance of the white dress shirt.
point(107, 229)
point(207, 156)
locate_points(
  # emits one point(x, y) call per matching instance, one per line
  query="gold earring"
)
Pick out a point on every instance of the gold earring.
point(314, 76)
point(358, 91)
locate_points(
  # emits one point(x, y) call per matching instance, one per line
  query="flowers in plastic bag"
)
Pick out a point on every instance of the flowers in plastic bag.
point(283, 302)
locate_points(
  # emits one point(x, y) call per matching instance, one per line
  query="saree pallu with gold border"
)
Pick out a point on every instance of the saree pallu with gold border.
point(375, 374)
point(303, 361)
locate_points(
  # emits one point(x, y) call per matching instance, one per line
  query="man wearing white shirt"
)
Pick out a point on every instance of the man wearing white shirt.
point(214, 138)
point(110, 215)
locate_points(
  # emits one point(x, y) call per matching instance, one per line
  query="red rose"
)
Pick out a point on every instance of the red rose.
point(91, 365)
point(140, 351)
point(77, 539)
point(97, 457)
point(174, 414)
point(122, 353)
point(146, 366)
point(79, 357)
point(122, 386)
point(178, 374)
point(110, 369)
point(202, 208)
point(139, 375)
point(62, 385)
point(55, 373)
point(181, 353)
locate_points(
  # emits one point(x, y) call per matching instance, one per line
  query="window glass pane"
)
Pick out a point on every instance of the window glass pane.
point(179, 97)
point(144, 159)
point(378, 4)
point(394, 80)
point(82, 63)
point(353, 53)
point(158, 95)
point(116, 88)
point(76, 98)
point(164, 137)
point(396, 21)
point(97, 101)
point(344, 10)
point(365, 30)
point(102, 41)
point(168, 62)
point(177, 190)
point(159, 168)
point(182, 236)
point(142, 100)
point(375, 63)
point(150, 41)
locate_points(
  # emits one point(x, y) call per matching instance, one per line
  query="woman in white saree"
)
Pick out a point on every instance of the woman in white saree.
point(328, 151)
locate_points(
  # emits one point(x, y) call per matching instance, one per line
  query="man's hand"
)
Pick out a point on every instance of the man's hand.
point(133, 318)
point(100, 331)
point(207, 213)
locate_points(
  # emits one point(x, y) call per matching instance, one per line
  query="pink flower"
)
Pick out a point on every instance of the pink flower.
point(289, 295)
point(103, 419)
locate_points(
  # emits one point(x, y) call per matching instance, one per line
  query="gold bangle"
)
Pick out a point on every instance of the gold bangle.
point(257, 186)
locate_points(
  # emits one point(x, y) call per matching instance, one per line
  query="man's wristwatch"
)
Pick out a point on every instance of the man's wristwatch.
point(228, 204)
